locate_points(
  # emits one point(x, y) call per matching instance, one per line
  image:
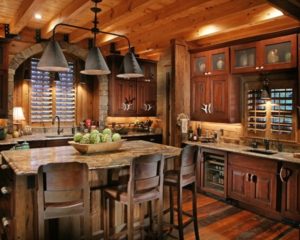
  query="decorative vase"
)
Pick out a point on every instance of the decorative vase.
point(220, 64)
point(251, 59)
point(273, 56)
point(243, 60)
point(288, 56)
point(202, 67)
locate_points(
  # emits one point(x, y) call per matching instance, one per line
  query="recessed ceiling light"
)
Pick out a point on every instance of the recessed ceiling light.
point(38, 16)
point(208, 29)
point(271, 13)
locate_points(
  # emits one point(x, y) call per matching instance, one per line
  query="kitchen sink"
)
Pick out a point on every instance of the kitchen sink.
point(59, 136)
point(261, 151)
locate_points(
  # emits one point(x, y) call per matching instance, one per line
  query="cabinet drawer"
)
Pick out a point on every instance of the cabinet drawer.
point(251, 162)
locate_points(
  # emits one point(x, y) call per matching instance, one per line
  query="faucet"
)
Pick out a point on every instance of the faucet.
point(267, 144)
point(59, 130)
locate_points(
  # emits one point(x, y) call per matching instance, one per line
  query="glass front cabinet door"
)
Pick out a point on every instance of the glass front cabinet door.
point(199, 64)
point(243, 58)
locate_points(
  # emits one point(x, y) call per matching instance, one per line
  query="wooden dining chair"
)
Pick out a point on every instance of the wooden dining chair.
point(145, 185)
point(63, 191)
point(183, 177)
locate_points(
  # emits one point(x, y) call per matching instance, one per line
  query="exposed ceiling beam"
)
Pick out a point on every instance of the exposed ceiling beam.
point(24, 14)
point(71, 11)
point(122, 12)
point(288, 7)
point(183, 27)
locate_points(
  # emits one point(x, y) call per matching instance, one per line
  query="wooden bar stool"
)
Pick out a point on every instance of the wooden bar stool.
point(183, 177)
point(63, 191)
point(145, 185)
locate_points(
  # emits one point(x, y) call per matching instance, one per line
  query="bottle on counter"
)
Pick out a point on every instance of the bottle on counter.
point(199, 131)
point(190, 133)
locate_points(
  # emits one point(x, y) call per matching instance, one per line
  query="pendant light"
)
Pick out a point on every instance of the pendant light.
point(54, 60)
point(265, 92)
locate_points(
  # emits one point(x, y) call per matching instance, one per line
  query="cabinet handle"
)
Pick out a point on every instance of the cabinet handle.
point(257, 68)
point(248, 177)
point(262, 67)
point(4, 166)
point(209, 73)
point(253, 178)
point(5, 222)
point(5, 190)
point(205, 73)
point(209, 108)
point(288, 173)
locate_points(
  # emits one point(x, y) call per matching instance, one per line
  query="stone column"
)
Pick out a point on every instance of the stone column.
point(103, 105)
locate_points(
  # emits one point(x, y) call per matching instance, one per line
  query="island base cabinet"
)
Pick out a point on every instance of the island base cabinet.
point(290, 177)
point(252, 180)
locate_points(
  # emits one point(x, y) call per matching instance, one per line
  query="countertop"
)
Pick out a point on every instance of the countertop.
point(43, 137)
point(26, 162)
point(235, 148)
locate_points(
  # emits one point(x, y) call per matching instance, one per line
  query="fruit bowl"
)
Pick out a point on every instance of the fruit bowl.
point(98, 147)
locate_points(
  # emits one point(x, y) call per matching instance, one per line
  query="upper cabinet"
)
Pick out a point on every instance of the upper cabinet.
point(270, 54)
point(214, 62)
point(3, 80)
point(211, 86)
point(135, 96)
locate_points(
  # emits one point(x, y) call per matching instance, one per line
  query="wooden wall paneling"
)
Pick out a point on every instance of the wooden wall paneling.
point(3, 94)
point(180, 87)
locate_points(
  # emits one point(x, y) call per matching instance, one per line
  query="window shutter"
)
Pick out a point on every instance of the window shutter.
point(41, 94)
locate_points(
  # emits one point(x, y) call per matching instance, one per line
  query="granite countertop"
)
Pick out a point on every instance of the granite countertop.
point(26, 162)
point(235, 148)
point(43, 137)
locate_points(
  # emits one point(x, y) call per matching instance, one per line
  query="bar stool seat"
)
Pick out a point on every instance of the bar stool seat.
point(183, 177)
point(145, 185)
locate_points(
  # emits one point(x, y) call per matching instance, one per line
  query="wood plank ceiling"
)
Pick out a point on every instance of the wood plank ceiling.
point(151, 24)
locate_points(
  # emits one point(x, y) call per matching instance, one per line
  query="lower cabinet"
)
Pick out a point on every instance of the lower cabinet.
point(290, 178)
point(253, 180)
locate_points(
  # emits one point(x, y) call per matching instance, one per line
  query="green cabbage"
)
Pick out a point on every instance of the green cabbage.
point(116, 137)
point(77, 137)
point(85, 139)
point(107, 131)
point(106, 138)
point(94, 131)
point(94, 138)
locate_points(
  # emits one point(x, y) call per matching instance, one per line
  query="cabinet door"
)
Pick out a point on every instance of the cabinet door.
point(264, 189)
point(279, 53)
point(291, 191)
point(3, 56)
point(149, 70)
point(146, 98)
point(199, 103)
point(218, 98)
point(243, 58)
point(126, 97)
point(238, 183)
point(199, 64)
point(3, 94)
point(218, 61)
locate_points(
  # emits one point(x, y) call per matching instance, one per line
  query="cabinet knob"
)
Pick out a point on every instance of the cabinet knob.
point(5, 222)
point(4, 166)
point(205, 73)
point(257, 68)
point(209, 73)
point(262, 67)
point(5, 190)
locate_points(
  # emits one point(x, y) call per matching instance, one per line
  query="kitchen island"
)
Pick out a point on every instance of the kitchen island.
point(19, 169)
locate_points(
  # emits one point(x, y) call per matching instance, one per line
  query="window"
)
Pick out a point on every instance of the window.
point(275, 119)
point(48, 98)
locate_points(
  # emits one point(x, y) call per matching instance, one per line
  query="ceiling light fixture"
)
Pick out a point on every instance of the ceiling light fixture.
point(265, 92)
point(53, 58)
point(38, 16)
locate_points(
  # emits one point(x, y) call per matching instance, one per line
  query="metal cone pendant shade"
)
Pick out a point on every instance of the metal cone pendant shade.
point(130, 67)
point(95, 63)
point(265, 94)
point(53, 59)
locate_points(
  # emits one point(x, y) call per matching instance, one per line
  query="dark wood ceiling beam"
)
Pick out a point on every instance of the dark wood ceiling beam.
point(287, 7)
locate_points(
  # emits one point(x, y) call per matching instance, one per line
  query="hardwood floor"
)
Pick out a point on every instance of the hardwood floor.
point(221, 221)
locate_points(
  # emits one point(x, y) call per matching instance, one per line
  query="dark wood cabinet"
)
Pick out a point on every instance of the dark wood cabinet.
point(132, 97)
point(214, 93)
point(3, 80)
point(270, 54)
point(290, 178)
point(253, 181)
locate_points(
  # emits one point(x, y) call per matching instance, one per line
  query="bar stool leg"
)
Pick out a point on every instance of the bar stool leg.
point(194, 191)
point(142, 221)
point(171, 207)
point(159, 217)
point(105, 217)
point(150, 217)
point(130, 220)
point(179, 207)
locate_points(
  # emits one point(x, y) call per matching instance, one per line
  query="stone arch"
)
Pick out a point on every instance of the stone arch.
point(20, 57)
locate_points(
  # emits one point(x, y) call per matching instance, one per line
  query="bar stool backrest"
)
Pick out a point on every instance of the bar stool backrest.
point(188, 160)
point(146, 174)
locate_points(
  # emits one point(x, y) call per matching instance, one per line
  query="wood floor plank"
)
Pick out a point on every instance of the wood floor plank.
point(218, 220)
